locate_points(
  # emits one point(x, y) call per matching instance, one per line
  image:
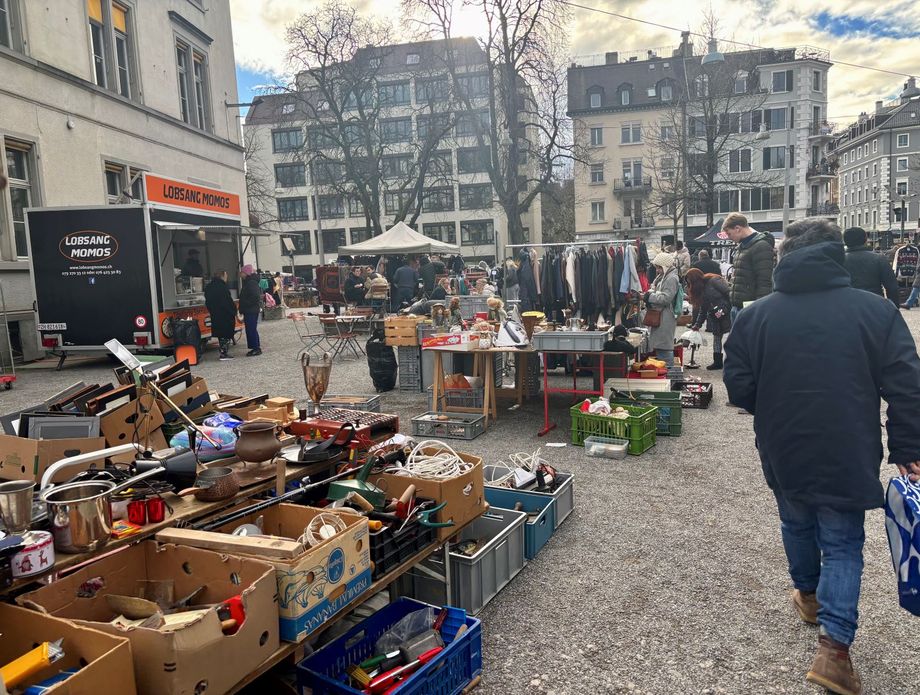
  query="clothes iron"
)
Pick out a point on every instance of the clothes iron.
point(512, 334)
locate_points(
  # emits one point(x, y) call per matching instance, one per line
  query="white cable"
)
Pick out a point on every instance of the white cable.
point(437, 464)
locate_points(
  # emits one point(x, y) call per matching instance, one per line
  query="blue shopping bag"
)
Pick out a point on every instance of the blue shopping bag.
point(902, 522)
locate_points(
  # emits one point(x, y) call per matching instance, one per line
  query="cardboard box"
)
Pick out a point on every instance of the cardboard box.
point(193, 400)
point(105, 660)
point(26, 459)
point(313, 583)
point(141, 416)
point(197, 658)
point(465, 340)
point(464, 495)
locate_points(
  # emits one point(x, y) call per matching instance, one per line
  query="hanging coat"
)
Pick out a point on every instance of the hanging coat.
point(528, 291)
point(570, 276)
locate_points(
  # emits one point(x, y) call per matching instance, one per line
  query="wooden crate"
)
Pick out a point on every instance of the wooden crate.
point(401, 330)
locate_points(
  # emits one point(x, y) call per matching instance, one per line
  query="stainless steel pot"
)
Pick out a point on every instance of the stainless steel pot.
point(81, 513)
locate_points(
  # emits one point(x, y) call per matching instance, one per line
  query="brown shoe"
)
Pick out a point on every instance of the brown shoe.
point(832, 668)
point(806, 605)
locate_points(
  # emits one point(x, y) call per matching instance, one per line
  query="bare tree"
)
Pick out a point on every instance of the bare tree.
point(527, 135)
point(558, 210)
point(263, 209)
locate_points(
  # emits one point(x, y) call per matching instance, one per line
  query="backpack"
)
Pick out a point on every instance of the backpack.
point(381, 362)
point(679, 300)
point(902, 523)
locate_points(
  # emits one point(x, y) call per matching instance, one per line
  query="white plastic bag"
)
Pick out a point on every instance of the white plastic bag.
point(692, 337)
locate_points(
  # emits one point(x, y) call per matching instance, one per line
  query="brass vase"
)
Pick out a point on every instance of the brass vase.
point(316, 378)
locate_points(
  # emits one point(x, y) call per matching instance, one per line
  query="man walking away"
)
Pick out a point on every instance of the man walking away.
point(682, 261)
point(220, 306)
point(706, 265)
point(405, 279)
point(819, 443)
point(752, 263)
point(250, 306)
point(868, 271)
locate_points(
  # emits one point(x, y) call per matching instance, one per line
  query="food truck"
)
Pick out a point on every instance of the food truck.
point(130, 271)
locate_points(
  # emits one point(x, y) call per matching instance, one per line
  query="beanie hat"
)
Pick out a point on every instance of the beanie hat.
point(247, 269)
point(663, 260)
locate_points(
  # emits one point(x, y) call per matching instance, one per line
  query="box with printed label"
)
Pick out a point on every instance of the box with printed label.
point(465, 340)
point(22, 458)
point(314, 583)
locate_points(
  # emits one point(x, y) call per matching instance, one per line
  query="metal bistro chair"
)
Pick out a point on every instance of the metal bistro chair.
point(310, 338)
point(341, 340)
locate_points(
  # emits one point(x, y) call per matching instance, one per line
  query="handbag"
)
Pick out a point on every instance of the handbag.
point(902, 523)
point(652, 318)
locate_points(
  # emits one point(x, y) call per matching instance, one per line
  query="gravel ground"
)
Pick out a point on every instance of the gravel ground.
point(669, 577)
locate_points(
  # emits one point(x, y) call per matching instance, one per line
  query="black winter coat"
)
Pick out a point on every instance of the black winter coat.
point(811, 362)
point(220, 306)
point(528, 291)
point(250, 296)
point(707, 265)
point(871, 272)
point(753, 266)
point(715, 298)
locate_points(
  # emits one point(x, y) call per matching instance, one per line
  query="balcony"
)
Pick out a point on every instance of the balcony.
point(821, 170)
point(824, 210)
point(820, 130)
point(640, 184)
point(622, 223)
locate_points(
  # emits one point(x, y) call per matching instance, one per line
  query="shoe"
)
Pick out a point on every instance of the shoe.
point(905, 306)
point(833, 670)
point(225, 357)
point(716, 362)
point(254, 353)
point(806, 605)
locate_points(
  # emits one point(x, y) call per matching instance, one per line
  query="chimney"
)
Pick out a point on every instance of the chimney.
point(878, 107)
point(910, 90)
point(611, 58)
point(686, 48)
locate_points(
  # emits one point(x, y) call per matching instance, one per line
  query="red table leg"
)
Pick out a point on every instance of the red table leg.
point(547, 425)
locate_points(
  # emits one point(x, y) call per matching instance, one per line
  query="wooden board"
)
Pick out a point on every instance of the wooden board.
point(278, 548)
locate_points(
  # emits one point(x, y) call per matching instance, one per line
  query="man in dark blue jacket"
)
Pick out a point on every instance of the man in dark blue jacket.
point(811, 362)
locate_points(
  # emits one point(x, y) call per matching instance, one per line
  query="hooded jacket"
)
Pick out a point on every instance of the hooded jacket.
point(250, 296)
point(753, 266)
point(220, 306)
point(812, 362)
point(871, 272)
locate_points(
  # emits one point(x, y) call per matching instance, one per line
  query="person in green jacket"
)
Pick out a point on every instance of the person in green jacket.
point(752, 262)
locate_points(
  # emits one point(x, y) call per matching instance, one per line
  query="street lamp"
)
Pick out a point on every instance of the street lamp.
point(254, 102)
point(713, 57)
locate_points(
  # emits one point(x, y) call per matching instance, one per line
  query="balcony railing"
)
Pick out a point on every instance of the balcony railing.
point(822, 169)
point(641, 184)
point(824, 209)
point(818, 128)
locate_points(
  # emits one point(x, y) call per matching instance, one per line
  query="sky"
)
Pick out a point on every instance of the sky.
point(876, 33)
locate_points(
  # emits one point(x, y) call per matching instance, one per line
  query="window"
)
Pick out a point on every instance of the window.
point(858, 196)
point(859, 218)
point(775, 118)
point(632, 172)
point(97, 36)
point(901, 188)
point(774, 158)
point(903, 139)
point(355, 207)
point(874, 146)
point(846, 198)
point(122, 50)
point(396, 165)
point(859, 153)
point(597, 136)
point(9, 25)
point(741, 83)
point(846, 179)
point(433, 126)
point(289, 175)
point(846, 157)
point(782, 81)
point(437, 89)
point(332, 239)
point(473, 123)
point(697, 126)
point(326, 172)
point(739, 160)
point(443, 231)
point(393, 93)
point(394, 201)
point(902, 164)
point(630, 133)
point(667, 168)
point(666, 91)
point(439, 199)
point(122, 183)
point(412, 59)
point(331, 206)
point(471, 160)
point(597, 211)
point(441, 163)
point(595, 100)
point(875, 169)
point(667, 132)
point(474, 86)
point(476, 232)
point(359, 234)
point(625, 91)
point(701, 85)
point(597, 173)
point(299, 240)
point(874, 218)
point(199, 72)
point(191, 66)
point(287, 140)
point(476, 196)
point(816, 80)
point(396, 130)
point(319, 137)
point(19, 170)
point(290, 209)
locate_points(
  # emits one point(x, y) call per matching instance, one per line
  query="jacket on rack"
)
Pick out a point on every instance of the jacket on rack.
point(528, 287)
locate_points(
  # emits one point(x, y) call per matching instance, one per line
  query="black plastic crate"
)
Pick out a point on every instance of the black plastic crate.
point(390, 548)
point(693, 394)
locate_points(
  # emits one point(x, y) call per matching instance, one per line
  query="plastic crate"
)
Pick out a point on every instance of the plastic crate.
point(570, 341)
point(639, 428)
point(606, 447)
point(369, 404)
point(472, 304)
point(456, 426)
point(668, 423)
point(459, 398)
point(390, 547)
point(409, 359)
point(323, 672)
point(564, 494)
point(476, 579)
point(408, 381)
point(694, 394)
point(541, 515)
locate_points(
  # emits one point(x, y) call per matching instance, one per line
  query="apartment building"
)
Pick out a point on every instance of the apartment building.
point(307, 197)
point(93, 93)
point(879, 166)
point(762, 115)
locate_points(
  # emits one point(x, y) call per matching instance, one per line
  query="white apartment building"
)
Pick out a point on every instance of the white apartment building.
point(458, 204)
point(93, 92)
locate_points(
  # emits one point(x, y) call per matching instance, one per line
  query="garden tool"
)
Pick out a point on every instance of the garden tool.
point(340, 489)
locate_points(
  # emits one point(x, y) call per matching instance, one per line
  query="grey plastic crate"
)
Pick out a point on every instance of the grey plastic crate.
point(407, 381)
point(409, 361)
point(459, 398)
point(572, 341)
point(370, 404)
point(564, 494)
point(456, 426)
point(471, 304)
point(476, 579)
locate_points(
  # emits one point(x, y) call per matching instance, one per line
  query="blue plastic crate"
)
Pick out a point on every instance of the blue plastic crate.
point(447, 674)
point(541, 522)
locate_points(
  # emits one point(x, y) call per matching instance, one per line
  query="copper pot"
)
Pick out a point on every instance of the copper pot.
point(214, 485)
point(257, 442)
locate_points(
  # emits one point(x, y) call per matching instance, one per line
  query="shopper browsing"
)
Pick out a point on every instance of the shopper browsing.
point(406, 281)
point(660, 300)
point(354, 286)
point(706, 264)
point(709, 296)
point(220, 306)
point(752, 262)
point(250, 306)
point(868, 271)
point(812, 362)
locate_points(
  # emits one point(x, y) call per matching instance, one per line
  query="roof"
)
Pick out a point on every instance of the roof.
point(398, 239)
point(270, 110)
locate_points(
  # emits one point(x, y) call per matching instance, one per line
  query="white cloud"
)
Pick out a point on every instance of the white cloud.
point(259, 35)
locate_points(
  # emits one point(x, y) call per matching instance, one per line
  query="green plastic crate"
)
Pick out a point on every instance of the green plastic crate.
point(668, 421)
point(639, 428)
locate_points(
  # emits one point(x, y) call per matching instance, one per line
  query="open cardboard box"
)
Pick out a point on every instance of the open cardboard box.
point(140, 419)
point(197, 658)
point(105, 660)
point(22, 458)
point(193, 401)
point(464, 495)
point(313, 583)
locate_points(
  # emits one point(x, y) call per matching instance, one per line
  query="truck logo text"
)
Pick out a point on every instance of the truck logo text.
point(88, 247)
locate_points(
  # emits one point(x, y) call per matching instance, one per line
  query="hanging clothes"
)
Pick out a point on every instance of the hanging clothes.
point(570, 275)
point(526, 282)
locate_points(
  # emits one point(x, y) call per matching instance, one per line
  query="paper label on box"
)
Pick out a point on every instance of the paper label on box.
point(293, 629)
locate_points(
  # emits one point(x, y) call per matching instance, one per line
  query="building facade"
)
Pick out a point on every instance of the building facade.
point(94, 92)
point(315, 216)
point(763, 126)
point(879, 166)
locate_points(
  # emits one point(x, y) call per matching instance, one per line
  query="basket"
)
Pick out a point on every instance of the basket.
point(639, 428)
point(455, 426)
point(693, 394)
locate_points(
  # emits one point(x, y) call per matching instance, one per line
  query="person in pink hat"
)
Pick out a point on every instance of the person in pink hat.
point(250, 306)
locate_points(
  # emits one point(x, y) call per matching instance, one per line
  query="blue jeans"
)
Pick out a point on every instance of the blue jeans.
point(735, 311)
point(666, 356)
point(252, 331)
point(824, 549)
point(914, 296)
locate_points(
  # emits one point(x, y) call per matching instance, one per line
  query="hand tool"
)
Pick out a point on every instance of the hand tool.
point(45, 654)
point(384, 683)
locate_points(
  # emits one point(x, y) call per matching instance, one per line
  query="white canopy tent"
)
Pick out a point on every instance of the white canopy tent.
point(400, 238)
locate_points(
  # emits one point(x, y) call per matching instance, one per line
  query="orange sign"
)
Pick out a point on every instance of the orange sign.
point(187, 195)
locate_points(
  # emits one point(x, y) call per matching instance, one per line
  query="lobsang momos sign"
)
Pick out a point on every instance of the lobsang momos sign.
point(88, 246)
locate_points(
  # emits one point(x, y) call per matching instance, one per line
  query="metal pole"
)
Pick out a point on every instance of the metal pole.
point(903, 215)
point(319, 230)
point(786, 174)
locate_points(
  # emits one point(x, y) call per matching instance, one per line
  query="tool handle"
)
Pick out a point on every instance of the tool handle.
point(359, 501)
point(407, 495)
point(18, 670)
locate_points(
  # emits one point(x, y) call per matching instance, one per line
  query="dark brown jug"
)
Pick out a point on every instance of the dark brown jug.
point(257, 442)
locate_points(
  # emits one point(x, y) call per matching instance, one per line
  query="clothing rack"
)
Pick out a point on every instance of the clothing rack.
point(570, 243)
